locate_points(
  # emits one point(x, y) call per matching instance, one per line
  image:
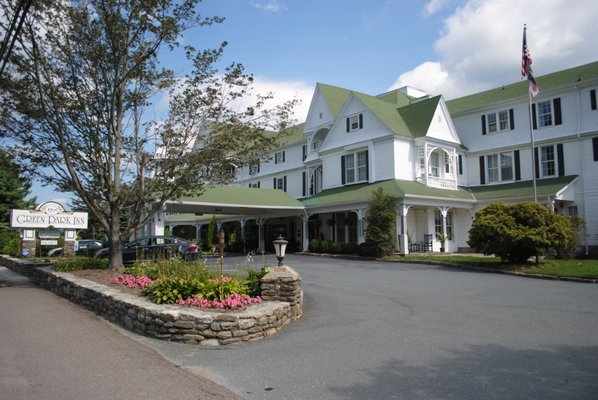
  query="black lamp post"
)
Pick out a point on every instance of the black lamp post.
point(280, 247)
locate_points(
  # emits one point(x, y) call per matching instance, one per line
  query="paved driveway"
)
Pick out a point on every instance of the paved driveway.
point(376, 330)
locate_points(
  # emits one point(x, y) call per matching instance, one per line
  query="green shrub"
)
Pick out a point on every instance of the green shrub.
point(210, 289)
point(519, 231)
point(177, 269)
point(314, 246)
point(253, 281)
point(349, 248)
point(169, 290)
point(78, 263)
point(370, 249)
point(324, 246)
point(381, 219)
point(335, 248)
point(12, 247)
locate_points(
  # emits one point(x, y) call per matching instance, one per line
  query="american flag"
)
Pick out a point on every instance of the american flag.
point(526, 66)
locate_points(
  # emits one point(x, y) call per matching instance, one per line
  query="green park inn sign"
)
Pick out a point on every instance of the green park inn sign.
point(49, 215)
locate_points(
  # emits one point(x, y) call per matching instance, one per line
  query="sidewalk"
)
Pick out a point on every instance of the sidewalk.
point(52, 349)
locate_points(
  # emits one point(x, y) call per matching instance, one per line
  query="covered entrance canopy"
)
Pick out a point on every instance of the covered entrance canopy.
point(236, 200)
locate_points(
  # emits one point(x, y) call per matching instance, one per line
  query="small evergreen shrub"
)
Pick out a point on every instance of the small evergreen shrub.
point(314, 246)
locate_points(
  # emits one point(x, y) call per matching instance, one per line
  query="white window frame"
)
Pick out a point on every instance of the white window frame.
point(545, 114)
point(279, 157)
point(497, 122)
point(546, 163)
point(356, 170)
point(279, 183)
point(496, 167)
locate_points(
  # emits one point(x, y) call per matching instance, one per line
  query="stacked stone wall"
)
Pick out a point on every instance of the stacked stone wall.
point(172, 322)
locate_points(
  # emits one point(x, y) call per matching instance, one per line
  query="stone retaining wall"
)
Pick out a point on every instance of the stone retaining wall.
point(282, 294)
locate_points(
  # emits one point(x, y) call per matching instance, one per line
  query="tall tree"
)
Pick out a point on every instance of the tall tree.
point(79, 79)
point(14, 188)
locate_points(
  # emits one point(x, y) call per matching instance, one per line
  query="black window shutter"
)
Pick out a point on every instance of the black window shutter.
point(304, 183)
point(558, 117)
point(274, 184)
point(595, 148)
point(517, 165)
point(482, 171)
point(348, 125)
point(560, 158)
point(483, 124)
point(360, 121)
point(304, 152)
point(512, 118)
point(460, 159)
point(534, 122)
point(284, 183)
point(593, 98)
point(367, 166)
point(536, 163)
point(283, 155)
point(343, 178)
point(258, 184)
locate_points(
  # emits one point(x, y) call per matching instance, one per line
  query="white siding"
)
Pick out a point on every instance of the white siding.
point(404, 160)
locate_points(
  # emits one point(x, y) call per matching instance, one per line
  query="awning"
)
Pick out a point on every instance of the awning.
point(237, 200)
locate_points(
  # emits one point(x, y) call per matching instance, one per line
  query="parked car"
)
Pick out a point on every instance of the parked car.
point(85, 247)
point(156, 247)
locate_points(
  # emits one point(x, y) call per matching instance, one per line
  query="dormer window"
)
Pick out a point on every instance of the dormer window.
point(354, 122)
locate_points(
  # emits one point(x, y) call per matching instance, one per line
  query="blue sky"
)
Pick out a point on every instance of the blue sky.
point(448, 47)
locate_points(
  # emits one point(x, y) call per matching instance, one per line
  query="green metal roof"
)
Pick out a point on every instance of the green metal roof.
point(544, 187)
point(394, 187)
point(554, 80)
point(236, 200)
point(418, 116)
point(335, 97)
point(292, 135)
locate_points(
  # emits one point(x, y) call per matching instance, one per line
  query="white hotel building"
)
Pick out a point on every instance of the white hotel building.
point(441, 160)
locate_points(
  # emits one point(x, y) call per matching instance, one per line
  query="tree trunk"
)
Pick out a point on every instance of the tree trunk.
point(116, 254)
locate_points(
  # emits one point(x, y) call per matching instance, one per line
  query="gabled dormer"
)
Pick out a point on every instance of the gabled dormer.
point(325, 106)
point(436, 142)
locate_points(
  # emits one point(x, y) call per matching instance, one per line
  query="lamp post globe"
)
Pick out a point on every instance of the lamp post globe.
point(280, 247)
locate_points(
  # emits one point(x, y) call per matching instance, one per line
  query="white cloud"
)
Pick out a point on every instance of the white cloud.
point(480, 45)
point(433, 6)
point(282, 92)
point(269, 6)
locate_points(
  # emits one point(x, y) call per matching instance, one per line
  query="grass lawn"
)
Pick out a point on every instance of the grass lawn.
point(586, 268)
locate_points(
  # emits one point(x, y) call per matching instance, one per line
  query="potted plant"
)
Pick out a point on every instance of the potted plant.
point(442, 238)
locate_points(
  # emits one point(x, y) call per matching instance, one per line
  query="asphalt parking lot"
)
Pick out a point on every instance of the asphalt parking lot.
point(374, 330)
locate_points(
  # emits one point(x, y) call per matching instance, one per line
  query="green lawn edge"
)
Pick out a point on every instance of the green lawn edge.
point(573, 268)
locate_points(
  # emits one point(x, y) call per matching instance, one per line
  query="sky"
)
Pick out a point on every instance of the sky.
point(448, 47)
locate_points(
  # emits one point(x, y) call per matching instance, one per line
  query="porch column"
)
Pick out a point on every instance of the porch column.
point(242, 223)
point(443, 212)
point(403, 237)
point(305, 231)
point(360, 225)
point(198, 232)
point(260, 229)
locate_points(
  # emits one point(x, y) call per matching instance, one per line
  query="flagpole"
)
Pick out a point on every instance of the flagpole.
point(531, 135)
point(532, 89)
